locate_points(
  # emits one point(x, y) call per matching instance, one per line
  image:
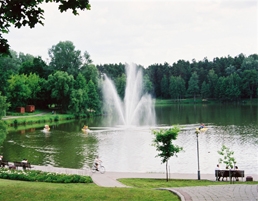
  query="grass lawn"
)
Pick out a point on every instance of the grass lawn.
point(31, 191)
point(143, 190)
point(173, 183)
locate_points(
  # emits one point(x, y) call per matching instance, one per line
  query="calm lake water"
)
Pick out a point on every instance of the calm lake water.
point(129, 149)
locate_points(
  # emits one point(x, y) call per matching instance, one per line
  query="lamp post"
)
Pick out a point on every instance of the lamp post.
point(198, 172)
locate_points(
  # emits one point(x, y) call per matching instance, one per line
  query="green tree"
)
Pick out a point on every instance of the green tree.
point(19, 90)
point(3, 131)
point(112, 70)
point(227, 156)
point(65, 58)
point(173, 88)
point(164, 87)
point(193, 85)
point(212, 82)
point(233, 87)
point(33, 81)
point(230, 70)
point(120, 85)
point(90, 72)
point(29, 12)
point(60, 85)
point(205, 90)
point(79, 96)
point(35, 65)
point(147, 85)
point(176, 87)
point(250, 63)
point(220, 89)
point(181, 87)
point(163, 143)
point(250, 82)
point(93, 101)
point(8, 66)
point(4, 105)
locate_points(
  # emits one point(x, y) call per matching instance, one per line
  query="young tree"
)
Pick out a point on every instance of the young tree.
point(165, 147)
point(226, 156)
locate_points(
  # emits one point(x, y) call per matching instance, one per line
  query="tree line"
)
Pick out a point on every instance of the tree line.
point(225, 79)
point(71, 81)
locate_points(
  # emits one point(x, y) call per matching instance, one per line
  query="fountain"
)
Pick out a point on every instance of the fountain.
point(136, 108)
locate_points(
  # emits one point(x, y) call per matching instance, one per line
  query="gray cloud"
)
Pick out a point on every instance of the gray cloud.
point(147, 32)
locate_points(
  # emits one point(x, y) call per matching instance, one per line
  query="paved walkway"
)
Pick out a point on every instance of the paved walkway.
point(233, 192)
point(230, 192)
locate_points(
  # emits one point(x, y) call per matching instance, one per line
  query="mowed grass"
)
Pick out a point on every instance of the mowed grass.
point(173, 183)
point(31, 191)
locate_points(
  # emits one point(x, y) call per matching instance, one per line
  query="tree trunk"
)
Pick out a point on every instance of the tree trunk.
point(167, 170)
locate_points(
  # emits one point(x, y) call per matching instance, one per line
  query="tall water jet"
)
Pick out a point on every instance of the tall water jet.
point(137, 108)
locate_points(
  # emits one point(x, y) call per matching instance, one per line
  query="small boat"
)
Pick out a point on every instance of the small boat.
point(85, 130)
point(202, 129)
point(46, 128)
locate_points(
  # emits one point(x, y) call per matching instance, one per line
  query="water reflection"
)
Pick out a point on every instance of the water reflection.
point(130, 150)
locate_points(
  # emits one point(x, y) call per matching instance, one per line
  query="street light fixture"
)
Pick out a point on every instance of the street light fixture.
point(203, 129)
point(198, 172)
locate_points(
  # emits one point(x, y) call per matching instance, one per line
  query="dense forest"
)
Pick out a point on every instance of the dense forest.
point(71, 81)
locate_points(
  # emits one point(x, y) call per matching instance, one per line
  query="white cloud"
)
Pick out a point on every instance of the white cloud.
point(147, 32)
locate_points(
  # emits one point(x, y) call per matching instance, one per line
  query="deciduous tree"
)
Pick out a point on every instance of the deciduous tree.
point(193, 85)
point(65, 58)
point(163, 143)
point(19, 90)
point(60, 85)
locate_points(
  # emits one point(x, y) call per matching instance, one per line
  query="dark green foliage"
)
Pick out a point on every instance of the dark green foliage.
point(64, 57)
point(112, 70)
point(35, 175)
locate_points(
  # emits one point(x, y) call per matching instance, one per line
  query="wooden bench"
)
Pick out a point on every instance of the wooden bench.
point(3, 163)
point(229, 173)
point(23, 165)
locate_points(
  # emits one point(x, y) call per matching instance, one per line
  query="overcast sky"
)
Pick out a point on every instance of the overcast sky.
point(146, 32)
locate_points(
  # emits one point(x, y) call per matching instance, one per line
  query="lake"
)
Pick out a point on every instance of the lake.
point(129, 149)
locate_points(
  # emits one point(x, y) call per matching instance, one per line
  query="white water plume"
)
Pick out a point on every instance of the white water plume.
point(137, 108)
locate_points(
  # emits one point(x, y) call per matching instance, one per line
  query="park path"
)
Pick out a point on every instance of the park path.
point(13, 117)
point(227, 192)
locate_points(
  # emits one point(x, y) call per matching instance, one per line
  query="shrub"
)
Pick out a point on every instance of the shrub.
point(36, 175)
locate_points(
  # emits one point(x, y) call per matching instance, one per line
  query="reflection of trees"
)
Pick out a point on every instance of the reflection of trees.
point(65, 146)
point(73, 149)
point(3, 131)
